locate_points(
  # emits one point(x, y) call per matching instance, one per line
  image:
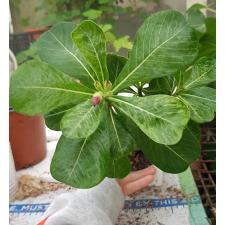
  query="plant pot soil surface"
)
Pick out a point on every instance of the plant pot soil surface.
point(138, 160)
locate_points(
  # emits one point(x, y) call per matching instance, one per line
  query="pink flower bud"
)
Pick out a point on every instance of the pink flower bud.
point(95, 100)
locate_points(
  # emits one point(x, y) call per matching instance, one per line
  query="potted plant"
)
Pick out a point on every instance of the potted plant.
point(26, 133)
point(79, 87)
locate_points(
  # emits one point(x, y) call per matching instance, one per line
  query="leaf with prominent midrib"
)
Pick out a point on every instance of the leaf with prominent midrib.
point(201, 103)
point(121, 141)
point(164, 45)
point(115, 64)
point(121, 144)
point(90, 40)
point(203, 72)
point(82, 163)
point(37, 88)
point(57, 48)
point(169, 158)
point(160, 117)
point(82, 120)
point(53, 118)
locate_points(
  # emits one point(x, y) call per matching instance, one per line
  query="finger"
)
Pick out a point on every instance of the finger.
point(137, 175)
point(137, 185)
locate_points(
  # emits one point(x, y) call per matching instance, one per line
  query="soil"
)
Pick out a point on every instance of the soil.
point(138, 160)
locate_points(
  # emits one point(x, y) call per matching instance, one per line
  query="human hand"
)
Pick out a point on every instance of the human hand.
point(61, 207)
point(137, 180)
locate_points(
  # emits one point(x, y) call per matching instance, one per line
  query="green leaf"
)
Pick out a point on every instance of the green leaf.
point(201, 103)
point(82, 120)
point(212, 85)
point(170, 158)
point(92, 14)
point(90, 39)
point(196, 20)
point(110, 37)
point(121, 141)
point(53, 118)
point(82, 163)
point(160, 117)
point(211, 26)
point(164, 45)
point(119, 168)
point(162, 85)
point(57, 48)
point(30, 53)
point(122, 42)
point(106, 27)
point(208, 41)
point(175, 158)
point(198, 6)
point(37, 88)
point(203, 72)
point(115, 64)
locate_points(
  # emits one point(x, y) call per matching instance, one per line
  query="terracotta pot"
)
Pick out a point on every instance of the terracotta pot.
point(27, 139)
point(35, 32)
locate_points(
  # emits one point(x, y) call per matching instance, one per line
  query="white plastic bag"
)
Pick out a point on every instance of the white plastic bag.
point(12, 177)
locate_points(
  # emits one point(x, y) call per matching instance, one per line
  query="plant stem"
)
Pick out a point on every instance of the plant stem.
point(139, 87)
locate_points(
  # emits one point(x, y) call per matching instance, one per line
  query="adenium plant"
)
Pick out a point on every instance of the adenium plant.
point(79, 88)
